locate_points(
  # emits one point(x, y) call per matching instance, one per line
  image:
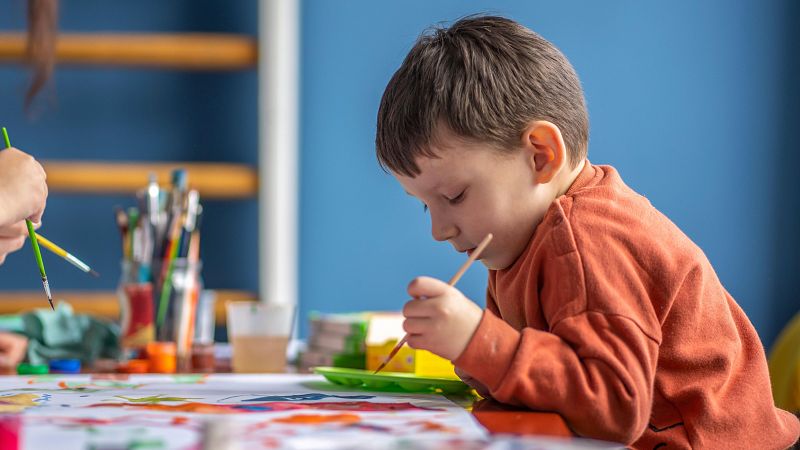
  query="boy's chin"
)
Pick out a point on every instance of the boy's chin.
point(493, 264)
point(496, 261)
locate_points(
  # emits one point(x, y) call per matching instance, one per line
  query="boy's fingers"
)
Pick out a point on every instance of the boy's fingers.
point(416, 325)
point(427, 287)
point(417, 308)
point(415, 341)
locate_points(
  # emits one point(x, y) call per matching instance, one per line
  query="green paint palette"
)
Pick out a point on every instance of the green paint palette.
point(388, 381)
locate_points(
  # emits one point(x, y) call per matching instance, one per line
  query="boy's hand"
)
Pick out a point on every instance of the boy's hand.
point(12, 238)
point(439, 318)
point(23, 191)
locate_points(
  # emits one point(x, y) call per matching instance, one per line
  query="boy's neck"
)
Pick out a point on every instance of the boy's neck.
point(566, 178)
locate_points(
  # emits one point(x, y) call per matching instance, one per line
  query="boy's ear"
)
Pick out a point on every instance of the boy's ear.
point(544, 144)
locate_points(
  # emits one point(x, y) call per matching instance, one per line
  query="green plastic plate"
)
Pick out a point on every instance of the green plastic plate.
point(391, 381)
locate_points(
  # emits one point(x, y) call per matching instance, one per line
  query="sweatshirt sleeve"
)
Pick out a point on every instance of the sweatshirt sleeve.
point(596, 370)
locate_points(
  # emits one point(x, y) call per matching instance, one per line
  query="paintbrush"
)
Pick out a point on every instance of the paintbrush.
point(66, 255)
point(475, 255)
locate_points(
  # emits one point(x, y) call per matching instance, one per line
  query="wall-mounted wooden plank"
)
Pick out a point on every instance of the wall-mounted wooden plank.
point(103, 304)
point(188, 51)
point(213, 180)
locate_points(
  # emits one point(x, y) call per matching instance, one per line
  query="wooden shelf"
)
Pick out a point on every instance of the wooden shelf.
point(180, 51)
point(213, 180)
point(99, 303)
point(189, 51)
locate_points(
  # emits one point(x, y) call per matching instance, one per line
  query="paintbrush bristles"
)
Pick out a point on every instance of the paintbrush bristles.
point(461, 271)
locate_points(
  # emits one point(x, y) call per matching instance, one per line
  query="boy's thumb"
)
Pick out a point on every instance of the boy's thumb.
point(426, 287)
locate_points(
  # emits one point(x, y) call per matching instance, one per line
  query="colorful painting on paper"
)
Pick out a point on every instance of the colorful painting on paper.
point(261, 411)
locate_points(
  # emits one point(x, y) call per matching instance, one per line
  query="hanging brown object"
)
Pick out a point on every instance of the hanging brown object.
point(40, 52)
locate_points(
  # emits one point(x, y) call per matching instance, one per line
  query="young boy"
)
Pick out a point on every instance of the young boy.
point(598, 306)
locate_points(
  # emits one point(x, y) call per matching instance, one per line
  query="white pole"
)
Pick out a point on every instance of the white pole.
point(278, 98)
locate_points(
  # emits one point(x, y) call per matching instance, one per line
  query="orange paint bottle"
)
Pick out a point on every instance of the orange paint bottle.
point(161, 356)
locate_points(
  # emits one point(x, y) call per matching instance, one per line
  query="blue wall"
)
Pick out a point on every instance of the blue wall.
point(694, 103)
point(687, 99)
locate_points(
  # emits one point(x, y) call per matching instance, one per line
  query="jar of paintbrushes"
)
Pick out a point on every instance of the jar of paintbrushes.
point(161, 277)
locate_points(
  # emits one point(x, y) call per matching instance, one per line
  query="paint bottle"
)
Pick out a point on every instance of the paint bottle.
point(10, 431)
point(65, 366)
point(161, 356)
point(136, 312)
point(32, 369)
point(203, 360)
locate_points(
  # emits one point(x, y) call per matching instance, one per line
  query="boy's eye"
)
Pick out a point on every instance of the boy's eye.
point(457, 199)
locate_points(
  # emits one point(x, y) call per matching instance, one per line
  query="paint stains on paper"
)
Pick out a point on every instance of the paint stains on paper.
point(96, 386)
point(211, 408)
point(319, 419)
point(306, 397)
point(190, 378)
point(154, 399)
point(18, 402)
point(429, 425)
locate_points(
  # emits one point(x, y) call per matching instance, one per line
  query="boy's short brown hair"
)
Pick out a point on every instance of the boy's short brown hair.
point(486, 78)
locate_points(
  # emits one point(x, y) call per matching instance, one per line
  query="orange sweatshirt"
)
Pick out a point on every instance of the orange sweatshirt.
point(613, 318)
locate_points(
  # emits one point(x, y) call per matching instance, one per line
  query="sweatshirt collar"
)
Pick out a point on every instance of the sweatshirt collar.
point(587, 174)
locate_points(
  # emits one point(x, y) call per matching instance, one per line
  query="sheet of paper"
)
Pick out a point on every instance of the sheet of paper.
point(262, 411)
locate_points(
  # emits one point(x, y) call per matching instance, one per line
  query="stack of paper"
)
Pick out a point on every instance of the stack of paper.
point(336, 340)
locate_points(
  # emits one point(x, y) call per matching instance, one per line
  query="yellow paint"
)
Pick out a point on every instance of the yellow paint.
point(403, 361)
point(408, 360)
point(17, 402)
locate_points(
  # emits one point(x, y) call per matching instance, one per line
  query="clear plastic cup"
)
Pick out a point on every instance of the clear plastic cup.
point(259, 334)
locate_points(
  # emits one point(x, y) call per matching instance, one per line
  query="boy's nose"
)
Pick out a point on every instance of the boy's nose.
point(443, 231)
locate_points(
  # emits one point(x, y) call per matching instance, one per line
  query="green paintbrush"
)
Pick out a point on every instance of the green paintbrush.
point(34, 243)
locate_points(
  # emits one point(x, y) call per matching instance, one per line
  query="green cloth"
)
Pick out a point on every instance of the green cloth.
point(61, 334)
point(12, 322)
